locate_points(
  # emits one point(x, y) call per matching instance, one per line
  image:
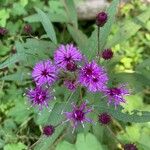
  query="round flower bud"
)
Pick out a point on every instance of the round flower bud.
point(130, 147)
point(107, 54)
point(101, 19)
point(27, 28)
point(48, 130)
point(3, 31)
point(104, 118)
point(71, 66)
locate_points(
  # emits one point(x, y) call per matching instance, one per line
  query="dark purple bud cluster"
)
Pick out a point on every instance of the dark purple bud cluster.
point(48, 130)
point(107, 54)
point(130, 147)
point(27, 29)
point(104, 118)
point(3, 31)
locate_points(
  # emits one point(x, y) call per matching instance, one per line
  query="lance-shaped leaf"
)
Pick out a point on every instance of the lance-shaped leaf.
point(45, 20)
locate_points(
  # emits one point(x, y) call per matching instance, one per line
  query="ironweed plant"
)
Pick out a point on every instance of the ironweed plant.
point(73, 87)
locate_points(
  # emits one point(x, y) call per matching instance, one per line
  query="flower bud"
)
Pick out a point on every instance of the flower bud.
point(107, 54)
point(48, 130)
point(27, 29)
point(101, 19)
point(71, 66)
point(104, 118)
point(3, 31)
point(130, 147)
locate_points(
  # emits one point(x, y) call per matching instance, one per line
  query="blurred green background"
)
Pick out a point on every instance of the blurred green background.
point(18, 127)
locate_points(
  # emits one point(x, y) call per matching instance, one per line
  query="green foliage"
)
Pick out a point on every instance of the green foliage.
point(84, 142)
point(71, 12)
point(129, 28)
point(18, 146)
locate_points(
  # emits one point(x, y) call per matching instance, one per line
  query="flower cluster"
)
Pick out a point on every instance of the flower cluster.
point(73, 68)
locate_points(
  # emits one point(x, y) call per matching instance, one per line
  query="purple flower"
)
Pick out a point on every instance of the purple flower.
point(78, 115)
point(44, 72)
point(130, 147)
point(116, 94)
point(101, 19)
point(104, 118)
point(107, 54)
point(93, 77)
point(48, 130)
point(39, 96)
point(66, 57)
point(71, 84)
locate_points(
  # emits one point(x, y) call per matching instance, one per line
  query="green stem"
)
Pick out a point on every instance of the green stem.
point(114, 135)
point(98, 43)
point(98, 40)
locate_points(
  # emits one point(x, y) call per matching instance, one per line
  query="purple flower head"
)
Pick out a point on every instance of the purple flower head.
point(67, 56)
point(48, 130)
point(44, 72)
point(27, 28)
point(3, 31)
point(101, 19)
point(107, 54)
point(39, 96)
point(78, 115)
point(71, 84)
point(93, 77)
point(116, 94)
point(130, 147)
point(104, 118)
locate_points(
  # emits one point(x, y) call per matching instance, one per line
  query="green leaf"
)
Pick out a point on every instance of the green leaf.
point(145, 64)
point(133, 102)
point(137, 81)
point(55, 17)
point(84, 142)
point(14, 58)
point(105, 31)
point(36, 49)
point(43, 118)
point(65, 146)
point(2, 143)
point(129, 28)
point(45, 20)
point(24, 2)
point(71, 11)
point(18, 146)
point(39, 47)
point(3, 49)
point(20, 112)
point(18, 76)
point(79, 37)
point(18, 10)
point(4, 15)
point(136, 116)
